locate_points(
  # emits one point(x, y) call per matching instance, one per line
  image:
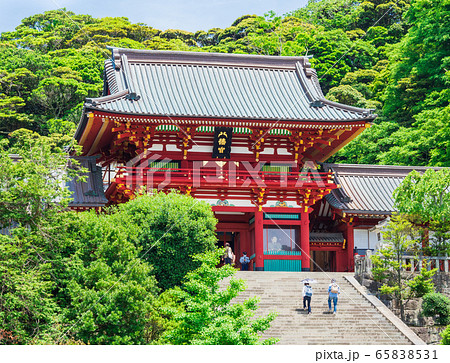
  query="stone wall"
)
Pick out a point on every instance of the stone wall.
point(423, 326)
point(442, 283)
point(429, 334)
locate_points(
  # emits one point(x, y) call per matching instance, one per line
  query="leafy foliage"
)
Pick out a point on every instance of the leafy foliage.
point(446, 336)
point(111, 289)
point(426, 200)
point(171, 228)
point(436, 304)
point(389, 268)
point(32, 187)
point(208, 317)
point(27, 309)
point(391, 56)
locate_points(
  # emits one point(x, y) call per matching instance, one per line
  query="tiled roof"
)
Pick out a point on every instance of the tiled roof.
point(89, 193)
point(326, 237)
point(167, 83)
point(367, 189)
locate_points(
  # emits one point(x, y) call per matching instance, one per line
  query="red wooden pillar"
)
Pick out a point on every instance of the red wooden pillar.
point(350, 246)
point(341, 260)
point(304, 241)
point(259, 241)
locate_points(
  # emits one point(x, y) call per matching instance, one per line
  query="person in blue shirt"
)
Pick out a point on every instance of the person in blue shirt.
point(333, 292)
point(244, 260)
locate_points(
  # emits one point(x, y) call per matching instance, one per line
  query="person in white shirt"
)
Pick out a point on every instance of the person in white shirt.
point(307, 293)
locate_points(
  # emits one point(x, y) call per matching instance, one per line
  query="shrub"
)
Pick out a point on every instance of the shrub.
point(171, 229)
point(205, 314)
point(436, 304)
point(446, 336)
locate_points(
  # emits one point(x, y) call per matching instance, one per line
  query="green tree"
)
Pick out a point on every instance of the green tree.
point(330, 14)
point(110, 289)
point(208, 316)
point(347, 95)
point(28, 311)
point(419, 64)
point(12, 116)
point(171, 227)
point(381, 12)
point(55, 96)
point(32, 187)
point(426, 200)
point(425, 143)
point(388, 266)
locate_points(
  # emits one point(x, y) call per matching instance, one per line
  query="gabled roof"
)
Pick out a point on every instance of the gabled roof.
point(196, 84)
point(367, 189)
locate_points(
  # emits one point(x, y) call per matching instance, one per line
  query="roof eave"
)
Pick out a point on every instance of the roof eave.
point(94, 107)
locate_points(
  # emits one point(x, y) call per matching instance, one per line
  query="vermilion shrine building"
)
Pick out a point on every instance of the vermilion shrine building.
point(247, 134)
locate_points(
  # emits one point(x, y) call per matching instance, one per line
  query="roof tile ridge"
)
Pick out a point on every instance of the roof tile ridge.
point(112, 97)
point(302, 77)
point(109, 77)
point(365, 111)
point(205, 58)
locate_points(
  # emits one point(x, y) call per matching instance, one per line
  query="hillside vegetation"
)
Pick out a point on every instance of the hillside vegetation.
point(390, 56)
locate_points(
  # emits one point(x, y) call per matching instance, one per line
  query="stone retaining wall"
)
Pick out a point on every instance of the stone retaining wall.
point(423, 326)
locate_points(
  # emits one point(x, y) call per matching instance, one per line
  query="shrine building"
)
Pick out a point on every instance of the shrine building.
point(247, 134)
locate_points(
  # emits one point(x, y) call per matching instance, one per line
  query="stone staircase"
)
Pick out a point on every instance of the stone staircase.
point(357, 320)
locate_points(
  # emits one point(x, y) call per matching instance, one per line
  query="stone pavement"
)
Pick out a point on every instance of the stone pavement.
point(360, 318)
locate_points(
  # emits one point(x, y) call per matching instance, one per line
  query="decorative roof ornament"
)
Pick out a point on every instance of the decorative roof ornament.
point(317, 103)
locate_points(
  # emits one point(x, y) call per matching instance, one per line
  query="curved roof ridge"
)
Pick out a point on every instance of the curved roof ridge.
point(206, 58)
point(107, 98)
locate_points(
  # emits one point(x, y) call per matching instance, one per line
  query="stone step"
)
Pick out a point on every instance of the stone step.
point(357, 320)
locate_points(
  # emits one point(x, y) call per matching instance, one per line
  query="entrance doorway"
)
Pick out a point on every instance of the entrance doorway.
point(233, 238)
point(323, 261)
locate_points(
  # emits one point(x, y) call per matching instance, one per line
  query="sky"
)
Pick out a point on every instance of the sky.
point(189, 15)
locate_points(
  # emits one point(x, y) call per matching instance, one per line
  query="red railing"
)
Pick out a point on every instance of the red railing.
point(204, 177)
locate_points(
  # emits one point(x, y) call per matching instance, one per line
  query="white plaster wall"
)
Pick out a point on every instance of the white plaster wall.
point(364, 239)
point(373, 240)
point(361, 238)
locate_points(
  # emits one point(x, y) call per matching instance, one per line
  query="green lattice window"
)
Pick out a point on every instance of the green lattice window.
point(164, 164)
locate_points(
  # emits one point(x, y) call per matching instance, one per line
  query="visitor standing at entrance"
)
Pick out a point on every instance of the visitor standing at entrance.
point(229, 255)
point(307, 293)
point(244, 260)
point(333, 292)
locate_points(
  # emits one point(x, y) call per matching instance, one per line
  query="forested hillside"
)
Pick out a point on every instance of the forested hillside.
point(390, 56)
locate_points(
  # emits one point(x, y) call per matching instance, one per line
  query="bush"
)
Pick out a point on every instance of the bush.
point(436, 304)
point(205, 314)
point(171, 229)
point(446, 336)
point(109, 288)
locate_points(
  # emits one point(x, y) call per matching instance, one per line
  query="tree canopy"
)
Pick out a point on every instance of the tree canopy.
point(389, 56)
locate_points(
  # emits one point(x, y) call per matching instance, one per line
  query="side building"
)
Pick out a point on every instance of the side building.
point(245, 133)
point(351, 217)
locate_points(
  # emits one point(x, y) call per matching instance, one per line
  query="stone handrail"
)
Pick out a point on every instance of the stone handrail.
point(363, 264)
